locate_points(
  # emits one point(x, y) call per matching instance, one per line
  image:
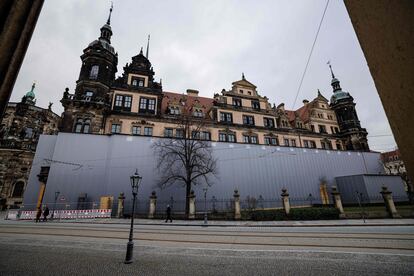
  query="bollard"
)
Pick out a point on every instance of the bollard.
point(286, 202)
point(237, 213)
point(389, 202)
point(153, 205)
point(121, 200)
point(338, 202)
point(191, 213)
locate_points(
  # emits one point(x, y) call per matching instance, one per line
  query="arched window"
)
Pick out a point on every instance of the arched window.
point(78, 126)
point(93, 75)
point(82, 125)
point(18, 189)
point(86, 125)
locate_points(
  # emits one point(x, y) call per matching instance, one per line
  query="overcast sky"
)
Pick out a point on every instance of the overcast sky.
point(206, 45)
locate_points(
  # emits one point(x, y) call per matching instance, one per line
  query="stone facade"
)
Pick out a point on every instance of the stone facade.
point(20, 129)
point(135, 104)
point(394, 165)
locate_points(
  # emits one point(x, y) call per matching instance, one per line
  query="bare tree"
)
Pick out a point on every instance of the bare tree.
point(186, 159)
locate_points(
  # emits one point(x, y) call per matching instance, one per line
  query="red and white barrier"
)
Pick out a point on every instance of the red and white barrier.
point(70, 214)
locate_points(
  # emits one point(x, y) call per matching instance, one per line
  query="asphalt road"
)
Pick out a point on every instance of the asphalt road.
point(27, 248)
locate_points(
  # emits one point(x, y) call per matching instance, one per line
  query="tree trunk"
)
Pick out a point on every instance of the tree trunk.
point(187, 198)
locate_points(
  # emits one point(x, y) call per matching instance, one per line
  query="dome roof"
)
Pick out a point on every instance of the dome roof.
point(104, 45)
point(31, 94)
point(334, 80)
point(339, 95)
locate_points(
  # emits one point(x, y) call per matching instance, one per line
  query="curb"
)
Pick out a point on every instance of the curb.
point(241, 225)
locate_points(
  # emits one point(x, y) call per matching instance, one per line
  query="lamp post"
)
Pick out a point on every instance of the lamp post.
point(135, 182)
point(205, 205)
point(54, 205)
point(359, 198)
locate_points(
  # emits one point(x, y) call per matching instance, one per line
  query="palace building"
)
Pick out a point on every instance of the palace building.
point(136, 104)
point(22, 124)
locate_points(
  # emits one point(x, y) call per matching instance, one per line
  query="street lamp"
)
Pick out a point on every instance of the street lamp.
point(205, 205)
point(135, 182)
point(54, 205)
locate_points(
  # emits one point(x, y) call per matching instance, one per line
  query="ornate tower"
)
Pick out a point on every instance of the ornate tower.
point(353, 135)
point(86, 109)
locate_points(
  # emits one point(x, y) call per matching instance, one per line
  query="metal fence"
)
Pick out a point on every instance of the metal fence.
point(211, 205)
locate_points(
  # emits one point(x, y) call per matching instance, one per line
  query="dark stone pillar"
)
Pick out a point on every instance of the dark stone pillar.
point(385, 31)
point(17, 22)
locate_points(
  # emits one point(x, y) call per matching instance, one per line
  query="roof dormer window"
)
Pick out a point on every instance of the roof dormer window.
point(138, 82)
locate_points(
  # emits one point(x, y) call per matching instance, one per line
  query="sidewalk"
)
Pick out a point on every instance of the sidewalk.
point(219, 223)
point(227, 223)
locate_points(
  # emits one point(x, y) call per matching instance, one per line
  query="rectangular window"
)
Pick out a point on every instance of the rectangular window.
point(293, 142)
point(127, 102)
point(286, 141)
point(168, 132)
point(122, 102)
point(151, 104)
point(248, 120)
point(332, 130)
point(326, 144)
point(305, 143)
point(116, 128)
point(88, 93)
point(313, 128)
point(148, 131)
point(237, 102)
point(269, 122)
point(146, 105)
point(179, 133)
point(136, 130)
point(322, 129)
point(249, 139)
point(226, 117)
point(336, 130)
point(195, 134)
point(338, 146)
point(205, 135)
point(223, 137)
point(312, 144)
point(202, 135)
point(256, 105)
point(271, 141)
point(118, 100)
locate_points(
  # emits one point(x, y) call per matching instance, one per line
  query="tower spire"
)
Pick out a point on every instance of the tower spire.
point(140, 52)
point(330, 67)
point(243, 78)
point(147, 46)
point(110, 13)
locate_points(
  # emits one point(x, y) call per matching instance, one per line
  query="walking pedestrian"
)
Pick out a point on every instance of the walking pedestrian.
point(45, 213)
point(38, 214)
point(168, 211)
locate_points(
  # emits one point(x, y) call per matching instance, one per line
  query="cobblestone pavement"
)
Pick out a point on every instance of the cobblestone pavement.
point(90, 249)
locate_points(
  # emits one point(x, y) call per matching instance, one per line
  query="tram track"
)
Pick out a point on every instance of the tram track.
point(285, 239)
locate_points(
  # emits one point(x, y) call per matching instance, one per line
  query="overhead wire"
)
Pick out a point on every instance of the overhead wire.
point(310, 54)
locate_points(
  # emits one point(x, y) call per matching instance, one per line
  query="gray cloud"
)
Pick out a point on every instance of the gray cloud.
point(206, 45)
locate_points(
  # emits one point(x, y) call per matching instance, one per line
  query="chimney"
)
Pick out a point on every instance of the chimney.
point(192, 92)
point(305, 102)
